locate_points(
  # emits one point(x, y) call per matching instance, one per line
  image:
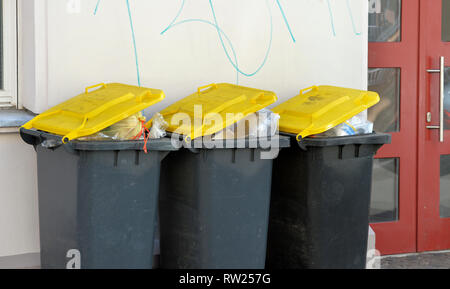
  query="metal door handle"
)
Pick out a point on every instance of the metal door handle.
point(441, 72)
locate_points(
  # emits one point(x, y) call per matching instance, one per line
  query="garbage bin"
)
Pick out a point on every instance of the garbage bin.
point(214, 206)
point(319, 214)
point(321, 185)
point(215, 194)
point(97, 200)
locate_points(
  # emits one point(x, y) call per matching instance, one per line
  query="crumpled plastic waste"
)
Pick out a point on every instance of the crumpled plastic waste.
point(130, 128)
point(263, 123)
point(51, 143)
point(354, 126)
point(159, 127)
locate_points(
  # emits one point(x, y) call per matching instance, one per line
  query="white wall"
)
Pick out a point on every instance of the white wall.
point(19, 225)
point(62, 52)
point(84, 49)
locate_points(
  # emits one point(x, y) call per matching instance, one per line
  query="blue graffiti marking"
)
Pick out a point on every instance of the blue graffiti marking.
point(96, 7)
point(352, 19)
point(285, 20)
point(213, 25)
point(132, 35)
point(222, 35)
point(134, 43)
point(331, 18)
point(226, 51)
point(176, 17)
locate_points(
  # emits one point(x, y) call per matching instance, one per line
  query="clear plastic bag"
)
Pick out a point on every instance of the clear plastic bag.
point(51, 143)
point(263, 123)
point(159, 126)
point(268, 124)
point(354, 126)
point(128, 129)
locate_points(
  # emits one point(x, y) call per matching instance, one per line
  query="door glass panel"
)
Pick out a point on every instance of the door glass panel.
point(445, 186)
point(384, 200)
point(384, 20)
point(386, 114)
point(446, 20)
point(447, 98)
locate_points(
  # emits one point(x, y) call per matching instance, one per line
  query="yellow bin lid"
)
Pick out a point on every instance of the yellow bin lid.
point(320, 108)
point(91, 112)
point(205, 112)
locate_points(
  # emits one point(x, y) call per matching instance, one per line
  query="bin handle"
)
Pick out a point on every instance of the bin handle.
point(206, 86)
point(31, 137)
point(74, 133)
point(94, 86)
point(309, 88)
point(300, 142)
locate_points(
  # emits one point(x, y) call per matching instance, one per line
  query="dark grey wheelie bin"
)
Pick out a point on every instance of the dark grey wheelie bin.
point(319, 214)
point(97, 199)
point(214, 206)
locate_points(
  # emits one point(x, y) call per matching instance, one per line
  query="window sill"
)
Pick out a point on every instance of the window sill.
point(11, 119)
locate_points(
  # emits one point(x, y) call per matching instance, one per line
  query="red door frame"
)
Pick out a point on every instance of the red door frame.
point(400, 236)
point(433, 231)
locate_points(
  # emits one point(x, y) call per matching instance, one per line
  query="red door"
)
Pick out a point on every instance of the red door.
point(409, 60)
point(393, 64)
point(434, 126)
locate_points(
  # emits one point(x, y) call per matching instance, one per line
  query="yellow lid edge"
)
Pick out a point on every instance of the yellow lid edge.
point(203, 89)
point(86, 132)
point(345, 117)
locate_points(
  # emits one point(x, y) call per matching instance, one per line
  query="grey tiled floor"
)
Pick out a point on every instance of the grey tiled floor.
point(435, 260)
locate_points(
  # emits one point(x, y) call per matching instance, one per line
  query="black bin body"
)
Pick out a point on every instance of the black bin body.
point(320, 203)
point(214, 208)
point(99, 198)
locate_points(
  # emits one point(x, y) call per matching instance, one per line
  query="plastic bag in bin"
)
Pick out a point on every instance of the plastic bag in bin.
point(127, 129)
point(263, 123)
point(354, 126)
point(159, 126)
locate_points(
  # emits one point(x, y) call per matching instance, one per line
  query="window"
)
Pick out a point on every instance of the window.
point(8, 54)
point(385, 20)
